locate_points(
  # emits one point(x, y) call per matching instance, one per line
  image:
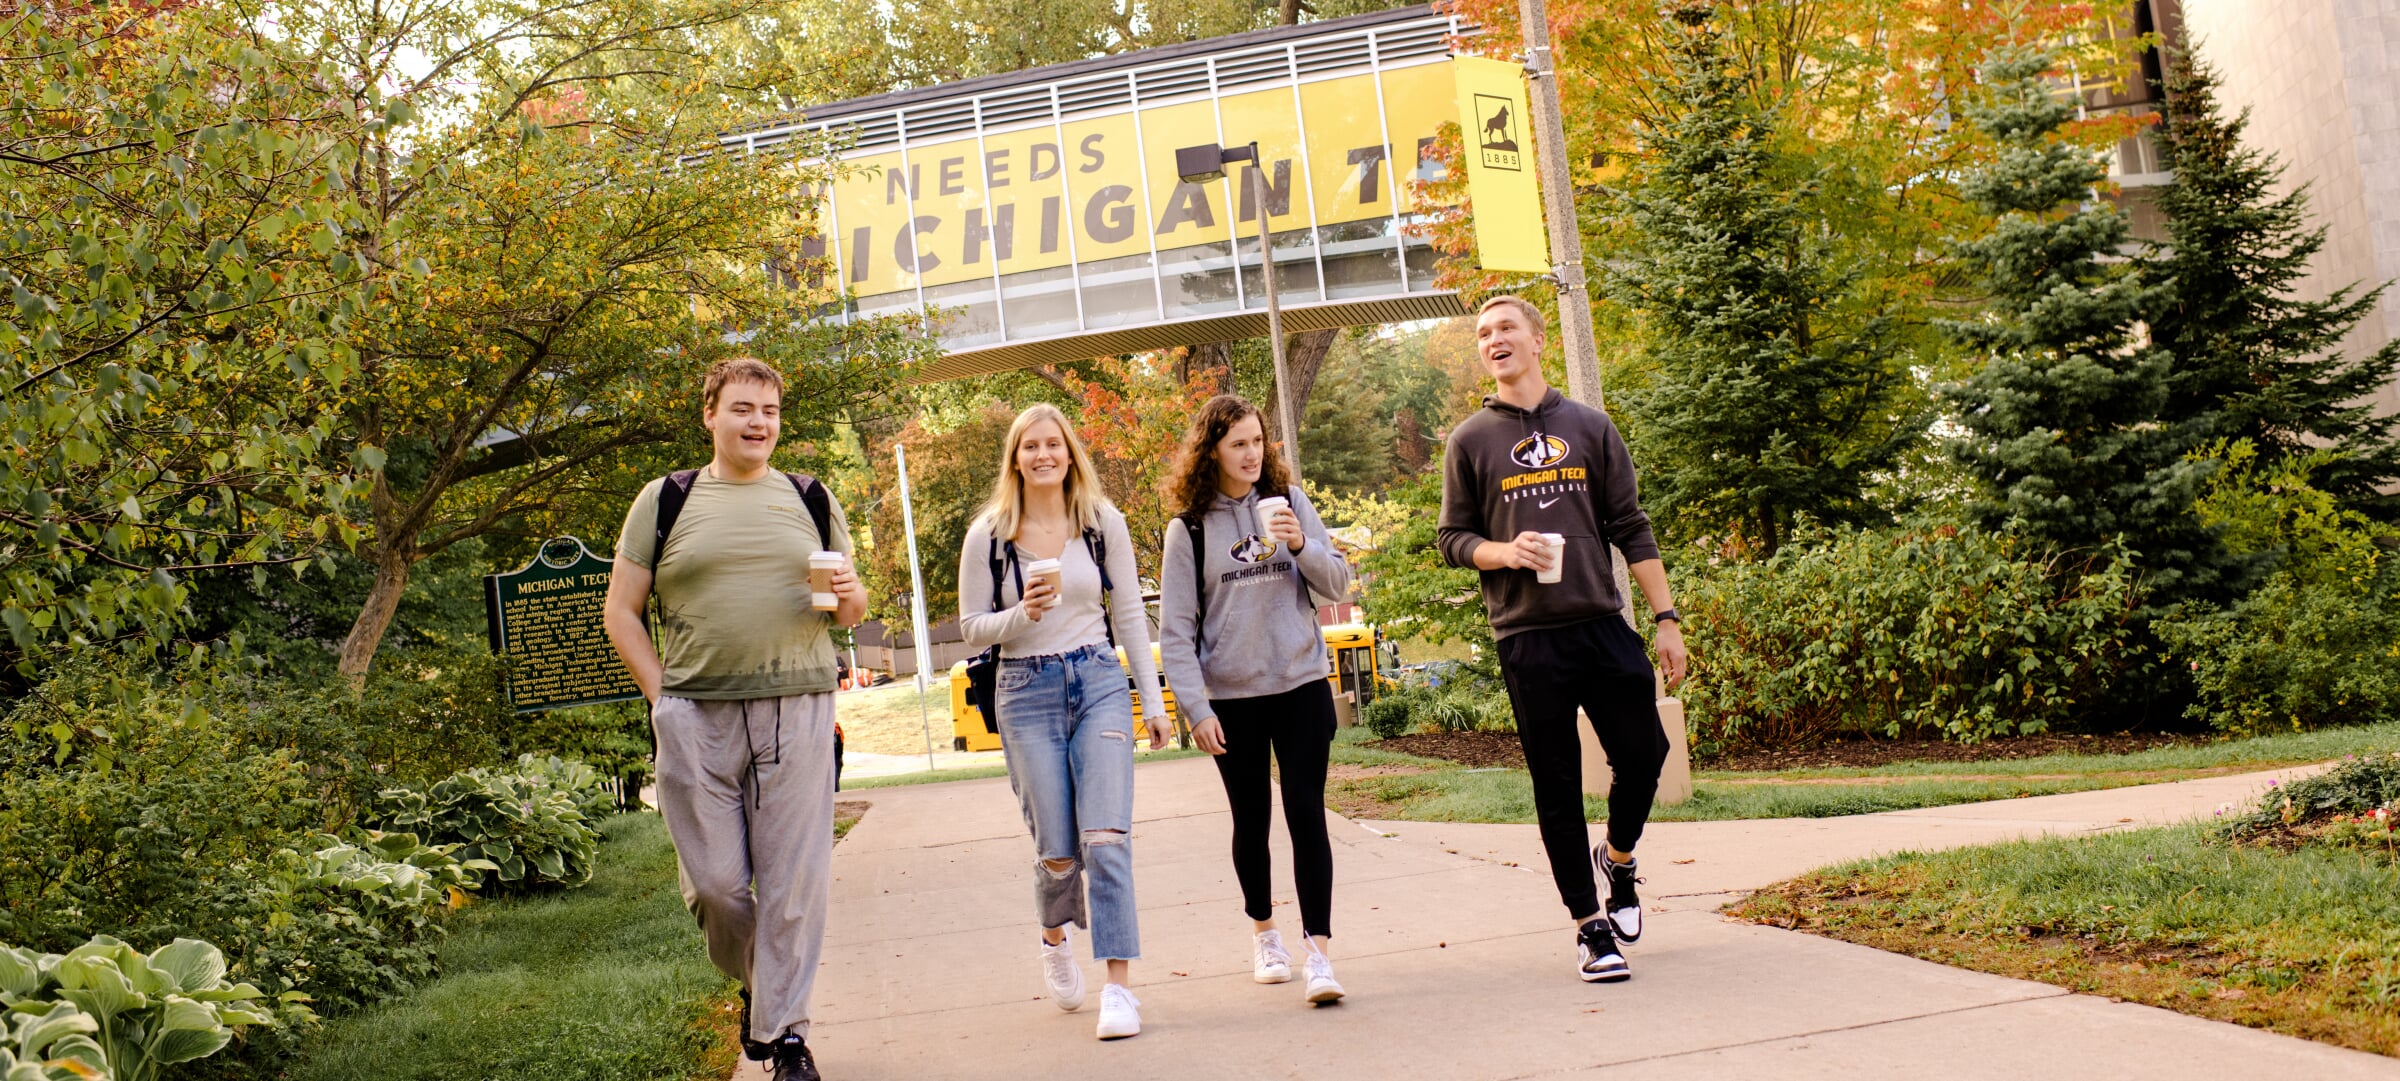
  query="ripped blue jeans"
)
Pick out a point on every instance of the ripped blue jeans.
point(1066, 728)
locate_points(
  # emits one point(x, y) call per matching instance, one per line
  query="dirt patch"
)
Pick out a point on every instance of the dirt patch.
point(1476, 749)
point(846, 814)
point(1356, 792)
point(1869, 753)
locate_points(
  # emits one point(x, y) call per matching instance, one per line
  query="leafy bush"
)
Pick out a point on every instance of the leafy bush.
point(1407, 589)
point(530, 832)
point(1960, 633)
point(2318, 643)
point(140, 1013)
point(153, 809)
point(2293, 656)
point(1392, 713)
point(352, 926)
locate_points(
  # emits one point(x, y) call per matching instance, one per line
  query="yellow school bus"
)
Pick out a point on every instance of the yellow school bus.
point(1351, 662)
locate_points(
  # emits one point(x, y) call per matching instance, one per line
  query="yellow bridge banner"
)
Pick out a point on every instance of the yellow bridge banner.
point(1505, 198)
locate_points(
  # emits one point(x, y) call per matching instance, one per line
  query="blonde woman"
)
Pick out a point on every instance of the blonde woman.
point(1063, 707)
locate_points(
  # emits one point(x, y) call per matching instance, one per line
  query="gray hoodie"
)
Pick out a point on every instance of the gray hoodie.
point(1261, 636)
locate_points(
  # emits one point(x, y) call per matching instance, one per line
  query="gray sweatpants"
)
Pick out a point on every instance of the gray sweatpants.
point(747, 791)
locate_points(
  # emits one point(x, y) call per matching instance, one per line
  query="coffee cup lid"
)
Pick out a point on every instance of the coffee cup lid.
point(1042, 565)
point(829, 558)
point(1555, 538)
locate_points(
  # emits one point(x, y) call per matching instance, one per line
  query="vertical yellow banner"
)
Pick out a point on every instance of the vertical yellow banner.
point(1495, 126)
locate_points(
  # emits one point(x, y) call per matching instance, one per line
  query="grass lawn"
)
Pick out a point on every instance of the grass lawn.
point(885, 719)
point(2303, 941)
point(604, 983)
point(1379, 784)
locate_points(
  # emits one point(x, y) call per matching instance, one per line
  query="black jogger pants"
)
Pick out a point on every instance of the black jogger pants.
point(1602, 667)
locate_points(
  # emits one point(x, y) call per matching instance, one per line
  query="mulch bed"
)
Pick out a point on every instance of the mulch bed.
point(1869, 753)
point(1478, 749)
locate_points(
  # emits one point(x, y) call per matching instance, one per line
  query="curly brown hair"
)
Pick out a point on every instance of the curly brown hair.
point(1191, 485)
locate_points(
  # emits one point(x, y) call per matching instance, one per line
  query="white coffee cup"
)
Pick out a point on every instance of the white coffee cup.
point(1271, 506)
point(1558, 559)
point(821, 566)
point(1048, 570)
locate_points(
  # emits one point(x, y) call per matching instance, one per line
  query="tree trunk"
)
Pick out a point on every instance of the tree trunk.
point(375, 616)
point(1304, 357)
point(1213, 359)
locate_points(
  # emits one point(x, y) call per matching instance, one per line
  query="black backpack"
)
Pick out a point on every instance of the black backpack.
point(676, 488)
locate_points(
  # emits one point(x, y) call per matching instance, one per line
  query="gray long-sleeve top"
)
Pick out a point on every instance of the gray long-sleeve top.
point(1260, 635)
point(1078, 620)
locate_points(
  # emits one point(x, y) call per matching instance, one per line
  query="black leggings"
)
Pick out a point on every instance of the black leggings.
point(1298, 724)
point(1601, 667)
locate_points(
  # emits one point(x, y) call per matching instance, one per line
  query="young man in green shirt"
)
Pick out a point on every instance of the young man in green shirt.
point(740, 683)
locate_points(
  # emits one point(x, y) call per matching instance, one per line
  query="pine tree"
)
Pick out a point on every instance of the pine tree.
point(1763, 405)
point(2063, 434)
point(2252, 362)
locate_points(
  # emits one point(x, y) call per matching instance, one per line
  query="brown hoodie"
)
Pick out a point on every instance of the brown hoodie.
point(1559, 467)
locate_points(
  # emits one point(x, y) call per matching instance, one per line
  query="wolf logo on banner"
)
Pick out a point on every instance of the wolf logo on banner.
point(1496, 142)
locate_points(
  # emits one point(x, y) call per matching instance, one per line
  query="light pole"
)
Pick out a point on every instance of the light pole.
point(1206, 162)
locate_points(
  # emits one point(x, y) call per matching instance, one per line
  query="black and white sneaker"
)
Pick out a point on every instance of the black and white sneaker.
point(792, 1060)
point(752, 1049)
point(1624, 905)
point(1597, 958)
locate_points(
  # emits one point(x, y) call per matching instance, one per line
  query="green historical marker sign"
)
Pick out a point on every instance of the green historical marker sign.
point(545, 618)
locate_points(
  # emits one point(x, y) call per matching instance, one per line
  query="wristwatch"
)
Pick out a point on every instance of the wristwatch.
point(1661, 617)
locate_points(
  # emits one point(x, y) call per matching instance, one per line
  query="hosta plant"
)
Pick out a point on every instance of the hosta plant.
point(531, 833)
point(140, 1013)
point(572, 776)
point(53, 1044)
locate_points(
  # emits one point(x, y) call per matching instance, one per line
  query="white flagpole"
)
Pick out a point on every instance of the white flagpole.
point(916, 602)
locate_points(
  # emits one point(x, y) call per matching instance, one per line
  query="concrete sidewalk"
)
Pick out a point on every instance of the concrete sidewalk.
point(1459, 963)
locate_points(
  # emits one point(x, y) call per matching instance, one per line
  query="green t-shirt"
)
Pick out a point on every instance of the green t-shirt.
point(734, 619)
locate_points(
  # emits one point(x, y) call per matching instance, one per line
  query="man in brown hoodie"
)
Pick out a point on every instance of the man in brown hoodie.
point(1532, 465)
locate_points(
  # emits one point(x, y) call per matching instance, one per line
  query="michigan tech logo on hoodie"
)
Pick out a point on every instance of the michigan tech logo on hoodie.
point(1253, 549)
point(1538, 451)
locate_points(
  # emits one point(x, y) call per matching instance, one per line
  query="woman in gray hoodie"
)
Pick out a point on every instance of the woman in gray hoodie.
point(1244, 654)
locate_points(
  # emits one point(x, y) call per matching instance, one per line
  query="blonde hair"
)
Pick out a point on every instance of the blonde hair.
point(1533, 315)
point(1004, 512)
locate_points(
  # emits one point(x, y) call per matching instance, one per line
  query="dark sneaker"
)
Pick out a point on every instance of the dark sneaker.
point(1597, 958)
point(751, 1049)
point(792, 1060)
point(1624, 905)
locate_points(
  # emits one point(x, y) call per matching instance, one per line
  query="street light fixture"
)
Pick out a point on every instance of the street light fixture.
point(1206, 162)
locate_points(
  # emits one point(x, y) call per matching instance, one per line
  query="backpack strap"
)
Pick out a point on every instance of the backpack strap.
point(676, 489)
point(1004, 552)
point(820, 506)
point(673, 490)
point(1195, 529)
point(1097, 546)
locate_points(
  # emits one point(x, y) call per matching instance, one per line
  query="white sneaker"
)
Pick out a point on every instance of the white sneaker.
point(1120, 1012)
point(1060, 971)
point(1272, 963)
point(1322, 987)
